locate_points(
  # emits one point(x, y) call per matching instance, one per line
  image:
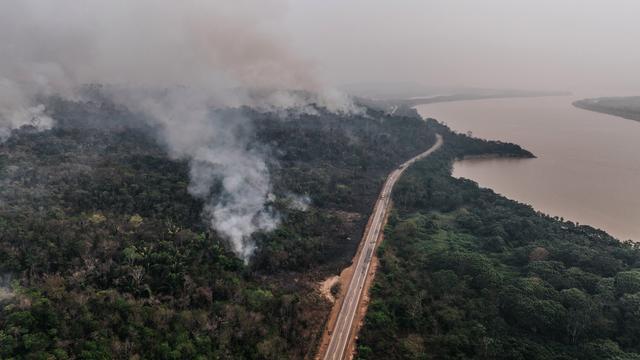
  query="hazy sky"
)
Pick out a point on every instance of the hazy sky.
point(587, 46)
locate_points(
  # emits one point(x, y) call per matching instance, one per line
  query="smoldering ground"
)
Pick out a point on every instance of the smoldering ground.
point(186, 56)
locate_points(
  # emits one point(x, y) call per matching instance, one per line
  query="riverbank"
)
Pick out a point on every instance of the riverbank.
point(495, 156)
point(577, 153)
point(467, 273)
point(467, 97)
point(624, 107)
point(407, 106)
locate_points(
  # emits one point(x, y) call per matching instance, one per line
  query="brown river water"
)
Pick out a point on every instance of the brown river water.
point(587, 168)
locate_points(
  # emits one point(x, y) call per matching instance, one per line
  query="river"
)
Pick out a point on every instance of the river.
point(587, 168)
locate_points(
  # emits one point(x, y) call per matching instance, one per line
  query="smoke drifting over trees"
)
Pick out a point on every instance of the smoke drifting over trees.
point(173, 62)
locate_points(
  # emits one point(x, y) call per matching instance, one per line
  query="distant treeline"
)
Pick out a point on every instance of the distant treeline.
point(407, 104)
point(625, 107)
point(480, 96)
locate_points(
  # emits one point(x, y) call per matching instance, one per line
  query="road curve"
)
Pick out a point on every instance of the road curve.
point(341, 332)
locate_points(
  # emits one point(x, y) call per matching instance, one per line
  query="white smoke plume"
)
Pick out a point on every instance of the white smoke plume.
point(187, 55)
point(6, 291)
point(298, 202)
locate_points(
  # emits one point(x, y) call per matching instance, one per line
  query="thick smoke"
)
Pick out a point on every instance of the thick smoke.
point(219, 152)
point(189, 56)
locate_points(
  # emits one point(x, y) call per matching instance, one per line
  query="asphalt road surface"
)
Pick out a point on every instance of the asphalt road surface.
point(341, 332)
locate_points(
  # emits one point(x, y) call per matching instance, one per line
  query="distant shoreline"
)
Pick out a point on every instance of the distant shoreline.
point(495, 156)
point(592, 105)
point(406, 106)
point(467, 97)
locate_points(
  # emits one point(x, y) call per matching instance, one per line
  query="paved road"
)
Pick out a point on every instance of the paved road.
point(340, 333)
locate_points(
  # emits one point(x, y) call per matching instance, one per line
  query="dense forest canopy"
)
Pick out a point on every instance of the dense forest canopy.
point(468, 274)
point(105, 254)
